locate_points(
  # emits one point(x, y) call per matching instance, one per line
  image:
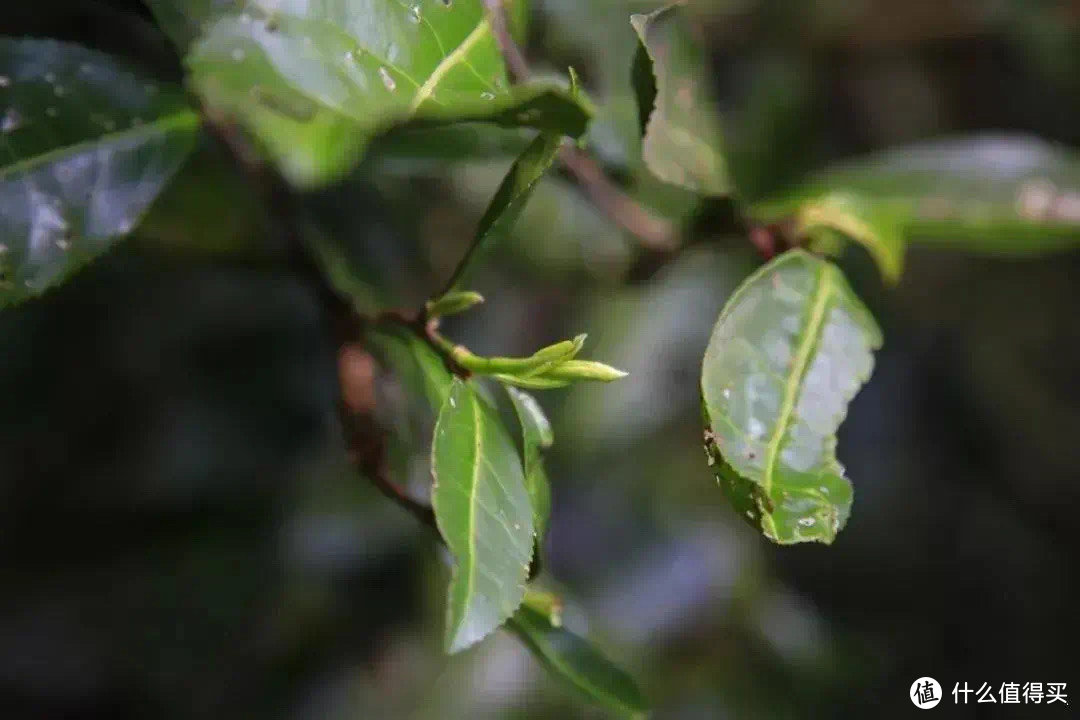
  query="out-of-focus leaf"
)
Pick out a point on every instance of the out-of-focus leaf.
point(536, 436)
point(683, 143)
point(316, 81)
point(209, 208)
point(511, 197)
point(1002, 194)
point(87, 147)
point(575, 661)
point(416, 365)
point(878, 227)
point(484, 514)
point(791, 348)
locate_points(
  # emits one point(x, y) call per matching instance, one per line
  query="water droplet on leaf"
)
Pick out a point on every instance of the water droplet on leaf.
point(387, 79)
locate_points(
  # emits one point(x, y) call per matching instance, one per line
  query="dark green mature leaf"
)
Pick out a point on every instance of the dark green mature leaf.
point(316, 81)
point(682, 143)
point(87, 146)
point(536, 436)
point(576, 662)
point(1002, 194)
point(516, 188)
point(484, 514)
point(791, 348)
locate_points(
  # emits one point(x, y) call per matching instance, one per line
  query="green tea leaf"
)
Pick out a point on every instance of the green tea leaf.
point(536, 436)
point(316, 81)
point(682, 143)
point(791, 348)
point(510, 199)
point(87, 146)
point(999, 194)
point(484, 514)
point(416, 364)
point(453, 303)
point(573, 660)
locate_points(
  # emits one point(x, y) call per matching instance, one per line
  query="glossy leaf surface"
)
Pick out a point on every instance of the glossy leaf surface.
point(87, 146)
point(315, 81)
point(484, 514)
point(791, 348)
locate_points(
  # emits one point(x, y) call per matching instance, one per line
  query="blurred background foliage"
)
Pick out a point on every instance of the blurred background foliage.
point(180, 535)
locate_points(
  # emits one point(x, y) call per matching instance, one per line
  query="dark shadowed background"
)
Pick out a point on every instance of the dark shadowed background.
point(181, 537)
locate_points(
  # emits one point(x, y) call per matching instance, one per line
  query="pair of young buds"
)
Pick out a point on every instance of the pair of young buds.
point(551, 367)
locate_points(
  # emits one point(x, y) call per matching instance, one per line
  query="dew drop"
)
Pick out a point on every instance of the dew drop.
point(11, 122)
point(387, 80)
point(245, 19)
point(59, 91)
point(237, 55)
point(414, 13)
point(824, 489)
point(50, 77)
point(807, 522)
point(349, 56)
point(452, 403)
point(487, 95)
point(63, 244)
point(727, 393)
point(51, 112)
point(5, 81)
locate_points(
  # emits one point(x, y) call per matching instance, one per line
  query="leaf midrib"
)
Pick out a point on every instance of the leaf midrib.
point(175, 121)
point(799, 367)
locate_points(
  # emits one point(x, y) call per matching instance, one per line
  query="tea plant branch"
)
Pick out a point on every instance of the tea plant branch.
point(652, 231)
point(364, 440)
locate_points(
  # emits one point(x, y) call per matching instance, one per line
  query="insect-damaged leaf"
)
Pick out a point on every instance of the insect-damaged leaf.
point(87, 147)
point(791, 348)
point(484, 514)
point(682, 143)
point(316, 81)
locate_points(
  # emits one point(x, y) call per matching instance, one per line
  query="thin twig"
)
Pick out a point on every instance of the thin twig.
point(652, 231)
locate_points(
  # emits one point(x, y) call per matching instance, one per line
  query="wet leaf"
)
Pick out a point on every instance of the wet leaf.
point(683, 143)
point(87, 147)
point(791, 348)
point(316, 81)
point(575, 661)
point(536, 437)
point(484, 514)
point(998, 194)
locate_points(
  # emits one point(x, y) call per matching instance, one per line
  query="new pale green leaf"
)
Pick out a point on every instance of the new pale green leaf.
point(791, 348)
point(998, 194)
point(536, 437)
point(484, 513)
point(575, 661)
point(683, 143)
point(87, 146)
point(315, 81)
